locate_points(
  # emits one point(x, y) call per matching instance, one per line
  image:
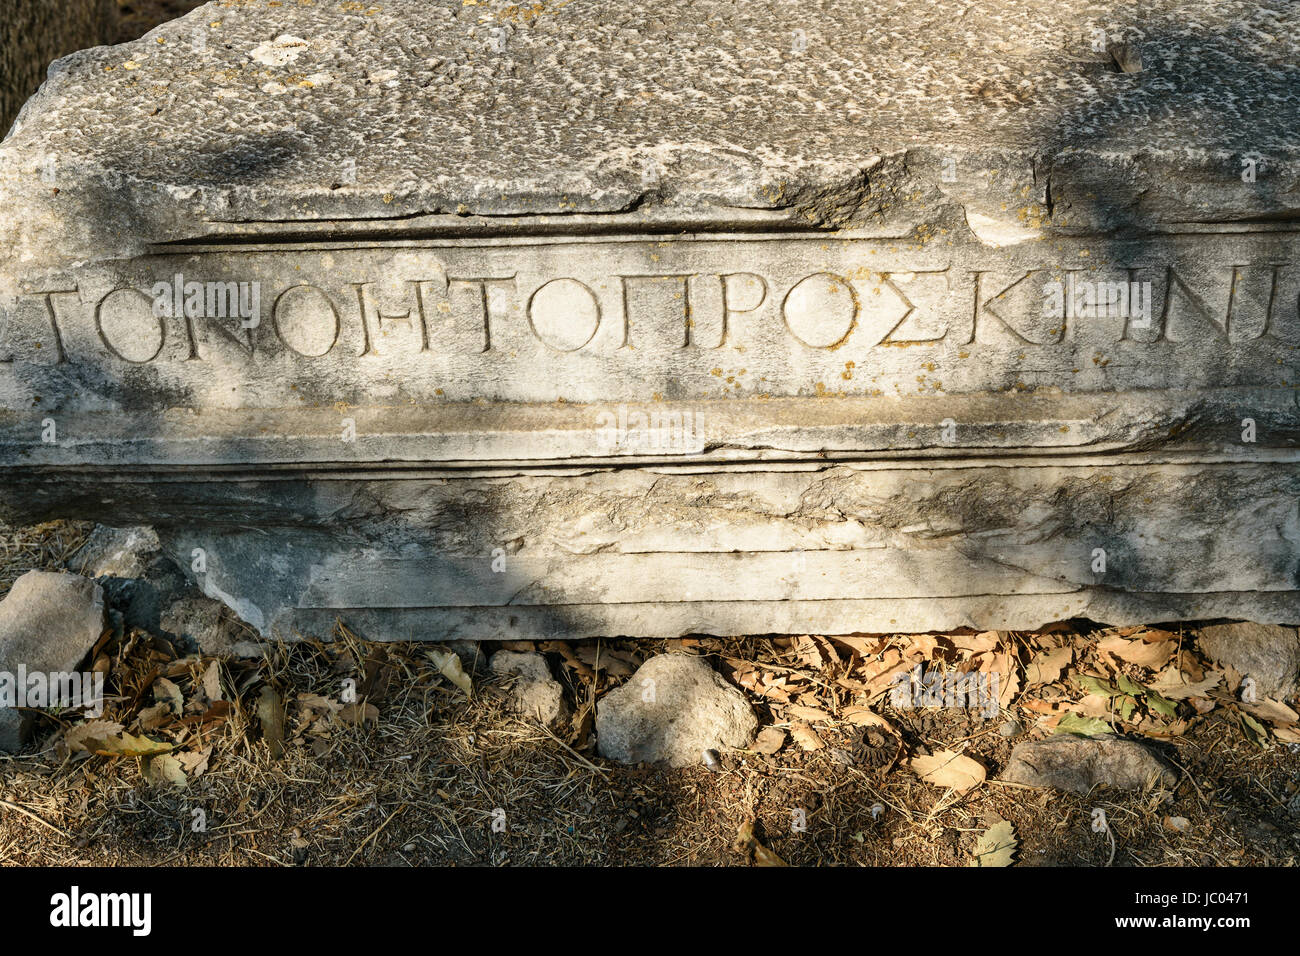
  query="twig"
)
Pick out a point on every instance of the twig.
point(37, 818)
point(375, 834)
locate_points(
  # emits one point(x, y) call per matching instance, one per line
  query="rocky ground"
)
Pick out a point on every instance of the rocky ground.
point(1103, 747)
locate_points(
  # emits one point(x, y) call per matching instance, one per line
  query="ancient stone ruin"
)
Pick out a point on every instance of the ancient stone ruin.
point(475, 321)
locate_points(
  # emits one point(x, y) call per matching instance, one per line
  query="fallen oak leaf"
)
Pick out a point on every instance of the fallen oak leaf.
point(805, 736)
point(1046, 667)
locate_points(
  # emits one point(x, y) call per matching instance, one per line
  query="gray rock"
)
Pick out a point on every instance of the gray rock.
point(532, 690)
point(1078, 764)
point(1269, 655)
point(117, 552)
point(48, 621)
point(670, 711)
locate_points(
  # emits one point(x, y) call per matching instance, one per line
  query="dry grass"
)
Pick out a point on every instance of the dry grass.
point(416, 773)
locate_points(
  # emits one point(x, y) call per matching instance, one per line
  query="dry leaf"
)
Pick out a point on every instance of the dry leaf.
point(164, 691)
point(1170, 683)
point(769, 740)
point(1046, 666)
point(270, 712)
point(354, 714)
point(448, 664)
point(212, 681)
point(806, 737)
point(1140, 652)
point(996, 845)
point(808, 713)
point(948, 769)
point(86, 736)
point(748, 843)
point(1274, 711)
point(163, 770)
point(194, 763)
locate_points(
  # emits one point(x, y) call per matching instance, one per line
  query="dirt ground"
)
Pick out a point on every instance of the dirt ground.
point(269, 763)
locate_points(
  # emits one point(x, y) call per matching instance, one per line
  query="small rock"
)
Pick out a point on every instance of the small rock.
point(117, 552)
point(1067, 762)
point(48, 622)
point(1265, 652)
point(533, 691)
point(670, 711)
point(139, 578)
point(1010, 728)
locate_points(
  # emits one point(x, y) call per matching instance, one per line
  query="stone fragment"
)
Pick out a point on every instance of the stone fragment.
point(117, 552)
point(209, 625)
point(1078, 764)
point(532, 690)
point(417, 328)
point(673, 709)
point(48, 621)
point(1268, 655)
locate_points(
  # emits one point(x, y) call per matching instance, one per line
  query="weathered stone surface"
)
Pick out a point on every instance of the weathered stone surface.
point(48, 621)
point(206, 623)
point(1067, 762)
point(531, 688)
point(117, 552)
point(670, 711)
point(1270, 656)
point(504, 366)
point(35, 32)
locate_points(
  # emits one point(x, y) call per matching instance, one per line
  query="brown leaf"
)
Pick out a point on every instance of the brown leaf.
point(1139, 652)
point(769, 740)
point(948, 769)
point(194, 762)
point(164, 691)
point(85, 736)
point(1046, 666)
point(813, 714)
point(1170, 683)
point(806, 737)
point(270, 712)
point(748, 843)
point(355, 714)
